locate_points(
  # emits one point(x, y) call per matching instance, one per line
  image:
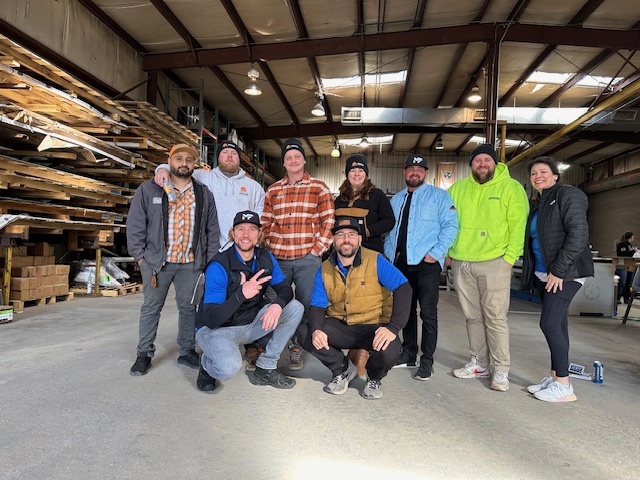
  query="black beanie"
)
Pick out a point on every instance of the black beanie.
point(226, 144)
point(484, 148)
point(357, 160)
point(292, 143)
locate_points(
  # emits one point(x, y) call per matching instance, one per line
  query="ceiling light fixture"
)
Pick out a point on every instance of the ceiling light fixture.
point(364, 143)
point(475, 94)
point(439, 144)
point(318, 109)
point(335, 153)
point(252, 87)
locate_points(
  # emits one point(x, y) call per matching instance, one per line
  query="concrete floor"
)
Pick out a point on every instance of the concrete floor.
point(70, 410)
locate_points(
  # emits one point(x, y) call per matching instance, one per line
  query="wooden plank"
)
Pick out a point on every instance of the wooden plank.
point(67, 189)
point(21, 206)
point(36, 153)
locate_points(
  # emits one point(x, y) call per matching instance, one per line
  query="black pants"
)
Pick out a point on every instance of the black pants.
point(343, 336)
point(424, 279)
point(555, 324)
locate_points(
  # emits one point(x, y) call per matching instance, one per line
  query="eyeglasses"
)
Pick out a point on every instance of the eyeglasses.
point(349, 235)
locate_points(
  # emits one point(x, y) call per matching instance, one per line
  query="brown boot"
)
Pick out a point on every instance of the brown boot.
point(359, 357)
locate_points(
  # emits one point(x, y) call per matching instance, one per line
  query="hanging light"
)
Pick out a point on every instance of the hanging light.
point(439, 144)
point(252, 87)
point(335, 153)
point(364, 143)
point(475, 96)
point(318, 109)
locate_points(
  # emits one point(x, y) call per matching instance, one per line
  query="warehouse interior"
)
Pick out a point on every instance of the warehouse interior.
point(93, 94)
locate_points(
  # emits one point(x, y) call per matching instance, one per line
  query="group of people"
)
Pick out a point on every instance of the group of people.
point(252, 263)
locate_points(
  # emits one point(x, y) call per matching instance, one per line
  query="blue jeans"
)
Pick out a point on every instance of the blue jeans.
point(221, 356)
point(185, 280)
point(301, 272)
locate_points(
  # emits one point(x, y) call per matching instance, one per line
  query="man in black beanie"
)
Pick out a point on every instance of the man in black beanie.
point(296, 221)
point(492, 211)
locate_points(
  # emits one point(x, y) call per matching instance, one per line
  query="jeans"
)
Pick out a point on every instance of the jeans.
point(484, 291)
point(221, 356)
point(185, 280)
point(424, 279)
point(624, 283)
point(301, 272)
point(343, 336)
point(555, 324)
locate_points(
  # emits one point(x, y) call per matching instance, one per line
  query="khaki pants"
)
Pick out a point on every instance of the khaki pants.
point(484, 290)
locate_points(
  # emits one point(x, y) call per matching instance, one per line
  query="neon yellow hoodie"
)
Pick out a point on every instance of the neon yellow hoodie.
point(492, 218)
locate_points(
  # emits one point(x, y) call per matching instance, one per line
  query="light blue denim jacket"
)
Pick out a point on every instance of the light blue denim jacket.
point(433, 224)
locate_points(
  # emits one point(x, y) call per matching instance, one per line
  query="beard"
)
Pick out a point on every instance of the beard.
point(414, 182)
point(483, 177)
point(228, 168)
point(347, 250)
point(181, 172)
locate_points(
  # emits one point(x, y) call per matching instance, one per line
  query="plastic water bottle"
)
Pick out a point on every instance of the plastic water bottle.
point(598, 376)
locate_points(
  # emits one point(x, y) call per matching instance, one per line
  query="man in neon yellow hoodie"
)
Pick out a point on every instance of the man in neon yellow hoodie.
point(492, 215)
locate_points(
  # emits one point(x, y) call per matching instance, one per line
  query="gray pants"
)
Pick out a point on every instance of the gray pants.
point(184, 278)
point(221, 356)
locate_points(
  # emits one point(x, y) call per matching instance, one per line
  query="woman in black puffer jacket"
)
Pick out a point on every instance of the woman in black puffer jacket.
point(557, 260)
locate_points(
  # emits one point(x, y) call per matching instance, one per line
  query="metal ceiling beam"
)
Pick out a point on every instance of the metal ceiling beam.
point(337, 128)
point(244, 32)
point(610, 102)
point(577, 20)
point(166, 12)
point(575, 78)
point(589, 151)
point(545, 34)
point(623, 153)
point(562, 146)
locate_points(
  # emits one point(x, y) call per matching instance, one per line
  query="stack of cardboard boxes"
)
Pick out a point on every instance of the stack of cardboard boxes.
point(34, 274)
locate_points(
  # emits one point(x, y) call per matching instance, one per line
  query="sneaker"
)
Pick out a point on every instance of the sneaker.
point(471, 370)
point(141, 366)
point(296, 362)
point(500, 381)
point(556, 392)
point(339, 384)
point(271, 377)
point(191, 359)
point(405, 362)
point(205, 382)
point(372, 390)
point(423, 373)
point(545, 383)
point(251, 355)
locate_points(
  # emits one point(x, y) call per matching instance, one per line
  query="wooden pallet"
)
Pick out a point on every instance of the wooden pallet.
point(126, 289)
point(18, 305)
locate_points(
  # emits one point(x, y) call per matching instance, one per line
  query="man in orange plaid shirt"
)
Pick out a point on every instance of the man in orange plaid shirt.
point(296, 221)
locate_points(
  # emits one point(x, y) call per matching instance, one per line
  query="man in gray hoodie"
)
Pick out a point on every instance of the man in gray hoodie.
point(232, 189)
point(172, 233)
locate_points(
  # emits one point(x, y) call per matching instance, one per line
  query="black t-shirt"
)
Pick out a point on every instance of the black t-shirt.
point(401, 248)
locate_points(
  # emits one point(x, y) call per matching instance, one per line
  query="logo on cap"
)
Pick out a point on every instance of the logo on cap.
point(346, 221)
point(247, 216)
point(417, 159)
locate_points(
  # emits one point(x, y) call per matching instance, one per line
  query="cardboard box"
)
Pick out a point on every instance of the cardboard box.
point(6, 313)
point(60, 279)
point(37, 261)
point(22, 261)
point(42, 249)
point(46, 280)
point(23, 271)
point(62, 289)
point(21, 251)
point(62, 269)
point(23, 295)
point(41, 270)
point(24, 283)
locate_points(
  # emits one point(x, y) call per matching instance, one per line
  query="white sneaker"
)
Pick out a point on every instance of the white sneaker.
point(557, 392)
point(545, 383)
point(471, 370)
point(500, 381)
